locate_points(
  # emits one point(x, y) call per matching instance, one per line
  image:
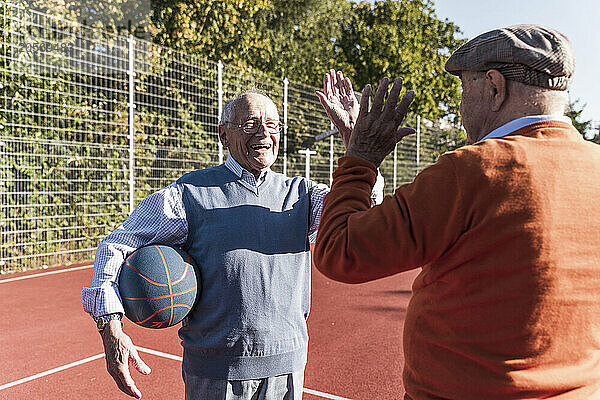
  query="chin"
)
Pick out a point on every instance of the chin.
point(266, 161)
point(262, 165)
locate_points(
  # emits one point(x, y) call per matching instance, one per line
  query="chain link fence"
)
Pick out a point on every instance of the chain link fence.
point(91, 122)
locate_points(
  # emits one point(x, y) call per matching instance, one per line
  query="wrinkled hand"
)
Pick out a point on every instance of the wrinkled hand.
point(376, 132)
point(119, 351)
point(339, 102)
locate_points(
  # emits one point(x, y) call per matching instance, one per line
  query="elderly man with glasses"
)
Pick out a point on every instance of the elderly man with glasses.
point(249, 230)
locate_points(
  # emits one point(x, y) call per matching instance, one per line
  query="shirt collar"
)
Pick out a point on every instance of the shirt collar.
point(241, 172)
point(519, 123)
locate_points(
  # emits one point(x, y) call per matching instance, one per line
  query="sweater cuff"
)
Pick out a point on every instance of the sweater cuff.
point(356, 165)
point(352, 161)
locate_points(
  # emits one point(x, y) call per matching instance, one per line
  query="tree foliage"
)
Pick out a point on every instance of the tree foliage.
point(281, 38)
point(404, 38)
point(303, 39)
point(299, 39)
point(574, 112)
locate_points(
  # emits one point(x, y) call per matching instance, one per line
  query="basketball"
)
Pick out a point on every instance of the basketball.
point(158, 286)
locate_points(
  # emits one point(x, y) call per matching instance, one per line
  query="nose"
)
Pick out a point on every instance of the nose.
point(262, 129)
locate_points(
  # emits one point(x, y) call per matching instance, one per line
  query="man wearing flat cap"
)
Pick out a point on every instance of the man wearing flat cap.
point(507, 304)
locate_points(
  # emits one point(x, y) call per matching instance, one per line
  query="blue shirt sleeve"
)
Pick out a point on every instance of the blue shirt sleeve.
point(159, 218)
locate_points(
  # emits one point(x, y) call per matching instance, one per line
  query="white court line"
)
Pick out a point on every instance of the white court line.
point(159, 353)
point(51, 371)
point(97, 356)
point(44, 274)
point(144, 350)
point(324, 395)
point(178, 358)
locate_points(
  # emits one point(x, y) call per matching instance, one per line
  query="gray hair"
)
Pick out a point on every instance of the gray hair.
point(229, 108)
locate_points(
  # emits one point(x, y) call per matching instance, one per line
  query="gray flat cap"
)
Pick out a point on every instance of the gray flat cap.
point(530, 54)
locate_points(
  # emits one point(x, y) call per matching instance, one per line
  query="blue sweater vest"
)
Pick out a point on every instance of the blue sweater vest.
point(251, 246)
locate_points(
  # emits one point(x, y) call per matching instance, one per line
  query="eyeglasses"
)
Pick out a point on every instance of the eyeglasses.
point(252, 126)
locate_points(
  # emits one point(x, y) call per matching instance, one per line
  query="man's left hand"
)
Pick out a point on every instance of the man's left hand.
point(377, 131)
point(339, 102)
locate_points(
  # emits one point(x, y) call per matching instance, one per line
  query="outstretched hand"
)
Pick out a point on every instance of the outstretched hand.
point(376, 132)
point(339, 102)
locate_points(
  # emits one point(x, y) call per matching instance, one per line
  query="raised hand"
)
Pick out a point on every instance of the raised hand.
point(339, 102)
point(376, 132)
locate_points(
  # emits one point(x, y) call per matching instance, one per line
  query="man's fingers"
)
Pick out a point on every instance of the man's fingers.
point(340, 83)
point(348, 86)
point(379, 95)
point(404, 131)
point(364, 101)
point(326, 85)
point(402, 108)
point(129, 385)
point(335, 84)
point(331, 85)
point(324, 100)
point(327, 105)
point(119, 350)
point(392, 100)
point(130, 391)
point(124, 381)
point(322, 97)
point(138, 363)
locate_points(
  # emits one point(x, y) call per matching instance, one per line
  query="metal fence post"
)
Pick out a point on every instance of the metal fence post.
point(307, 152)
point(220, 99)
point(131, 106)
point(5, 29)
point(285, 123)
point(331, 156)
point(418, 142)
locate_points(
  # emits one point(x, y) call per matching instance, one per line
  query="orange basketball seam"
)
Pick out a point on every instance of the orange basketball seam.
point(187, 265)
point(169, 279)
point(144, 276)
point(154, 313)
point(181, 305)
point(160, 297)
point(182, 275)
point(162, 309)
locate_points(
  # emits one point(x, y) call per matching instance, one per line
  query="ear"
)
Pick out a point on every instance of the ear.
point(497, 86)
point(223, 136)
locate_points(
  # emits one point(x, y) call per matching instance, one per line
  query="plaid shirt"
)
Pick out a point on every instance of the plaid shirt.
point(160, 218)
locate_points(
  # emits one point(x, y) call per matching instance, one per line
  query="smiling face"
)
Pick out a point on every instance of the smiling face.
point(254, 152)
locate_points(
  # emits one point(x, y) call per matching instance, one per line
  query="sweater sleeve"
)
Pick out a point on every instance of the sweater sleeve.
point(357, 243)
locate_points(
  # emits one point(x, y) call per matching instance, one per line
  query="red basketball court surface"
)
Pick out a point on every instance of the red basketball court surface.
point(50, 349)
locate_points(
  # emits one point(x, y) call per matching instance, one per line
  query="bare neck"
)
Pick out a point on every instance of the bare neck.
point(518, 107)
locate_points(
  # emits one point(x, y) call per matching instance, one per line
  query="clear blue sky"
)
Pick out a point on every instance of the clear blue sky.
point(578, 19)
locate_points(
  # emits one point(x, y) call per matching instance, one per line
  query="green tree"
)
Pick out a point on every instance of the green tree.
point(303, 42)
point(404, 38)
point(219, 30)
point(116, 16)
point(281, 38)
point(574, 112)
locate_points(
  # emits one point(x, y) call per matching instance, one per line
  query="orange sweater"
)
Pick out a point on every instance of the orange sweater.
point(507, 232)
